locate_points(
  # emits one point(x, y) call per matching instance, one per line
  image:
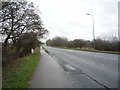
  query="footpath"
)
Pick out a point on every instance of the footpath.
point(49, 74)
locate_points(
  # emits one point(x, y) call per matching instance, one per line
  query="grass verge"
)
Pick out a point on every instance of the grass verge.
point(21, 73)
point(92, 50)
point(45, 50)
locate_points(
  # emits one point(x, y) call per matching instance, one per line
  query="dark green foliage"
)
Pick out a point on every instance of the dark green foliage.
point(77, 43)
point(106, 45)
point(25, 43)
point(22, 29)
point(58, 41)
point(98, 44)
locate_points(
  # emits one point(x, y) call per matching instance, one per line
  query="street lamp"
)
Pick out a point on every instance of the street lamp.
point(93, 28)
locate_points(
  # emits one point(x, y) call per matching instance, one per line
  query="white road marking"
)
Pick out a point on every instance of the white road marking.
point(69, 67)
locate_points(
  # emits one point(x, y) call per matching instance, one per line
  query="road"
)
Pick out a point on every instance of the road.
point(85, 69)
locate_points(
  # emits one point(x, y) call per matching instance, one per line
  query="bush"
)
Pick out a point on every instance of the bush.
point(98, 44)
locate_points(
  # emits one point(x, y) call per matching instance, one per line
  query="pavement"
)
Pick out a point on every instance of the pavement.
point(49, 74)
point(88, 69)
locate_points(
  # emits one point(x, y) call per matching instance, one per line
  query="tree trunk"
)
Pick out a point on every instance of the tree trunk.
point(6, 40)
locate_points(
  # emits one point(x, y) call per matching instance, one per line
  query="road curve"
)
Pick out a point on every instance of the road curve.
point(100, 67)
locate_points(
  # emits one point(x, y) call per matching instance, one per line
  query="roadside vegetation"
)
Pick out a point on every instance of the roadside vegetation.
point(45, 50)
point(21, 31)
point(98, 45)
point(92, 50)
point(21, 72)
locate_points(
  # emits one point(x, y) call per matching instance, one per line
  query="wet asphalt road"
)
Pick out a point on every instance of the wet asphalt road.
point(88, 69)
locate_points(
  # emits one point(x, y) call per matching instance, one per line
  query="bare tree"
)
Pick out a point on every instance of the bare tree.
point(18, 18)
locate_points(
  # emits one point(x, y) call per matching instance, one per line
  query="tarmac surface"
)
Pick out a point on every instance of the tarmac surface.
point(49, 74)
point(88, 69)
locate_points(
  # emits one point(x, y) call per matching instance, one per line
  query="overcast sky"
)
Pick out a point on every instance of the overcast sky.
point(68, 18)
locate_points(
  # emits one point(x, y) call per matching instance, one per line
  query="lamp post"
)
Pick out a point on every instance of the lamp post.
point(93, 28)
